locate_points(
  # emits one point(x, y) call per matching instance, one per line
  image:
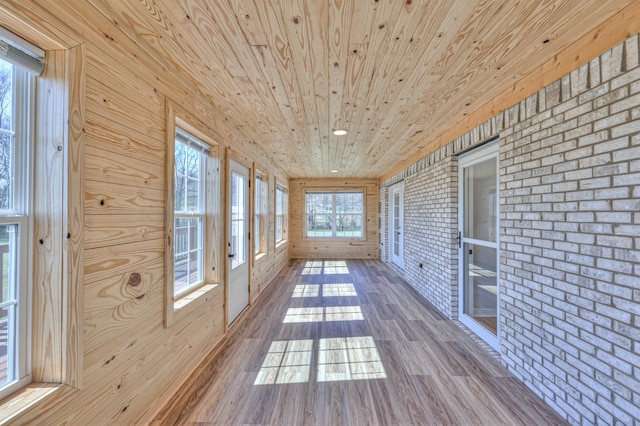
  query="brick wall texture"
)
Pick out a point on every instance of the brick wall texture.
point(569, 236)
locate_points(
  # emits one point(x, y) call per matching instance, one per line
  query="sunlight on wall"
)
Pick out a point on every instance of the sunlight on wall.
point(349, 358)
point(329, 313)
point(286, 362)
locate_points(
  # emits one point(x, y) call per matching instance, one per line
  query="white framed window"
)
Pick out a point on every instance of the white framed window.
point(192, 216)
point(16, 224)
point(281, 214)
point(189, 212)
point(261, 208)
point(334, 214)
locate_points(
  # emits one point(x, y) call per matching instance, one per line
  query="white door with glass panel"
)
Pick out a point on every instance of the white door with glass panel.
point(238, 244)
point(478, 243)
point(396, 224)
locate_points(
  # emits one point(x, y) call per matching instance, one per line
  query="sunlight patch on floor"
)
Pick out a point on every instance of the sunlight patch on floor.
point(319, 314)
point(338, 290)
point(333, 267)
point(286, 362)
point(312, 268)
point(306, 290)
point(349, 358)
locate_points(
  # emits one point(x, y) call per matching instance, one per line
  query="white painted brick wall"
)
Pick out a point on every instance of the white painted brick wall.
point(569, 238)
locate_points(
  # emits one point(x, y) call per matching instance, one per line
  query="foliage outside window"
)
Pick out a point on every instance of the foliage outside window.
point(15, 225)
point(281, 214)
point(334, 214)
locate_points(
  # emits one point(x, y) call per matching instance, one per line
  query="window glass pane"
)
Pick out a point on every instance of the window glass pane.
point(188, 252)
point(193, 163)
point(319, 225)
point(349, 225)
point(279, 194)
point(8, 292)
point(480, 201)
point(256, 219)
point(334, 214)
point(193, 195)
point(6, 136)
point(6, 171)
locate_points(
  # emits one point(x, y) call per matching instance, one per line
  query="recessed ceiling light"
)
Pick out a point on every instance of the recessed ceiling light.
point(339, 132)
point(334, 171)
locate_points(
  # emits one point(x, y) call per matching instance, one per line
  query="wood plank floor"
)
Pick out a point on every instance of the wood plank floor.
point(349, 342)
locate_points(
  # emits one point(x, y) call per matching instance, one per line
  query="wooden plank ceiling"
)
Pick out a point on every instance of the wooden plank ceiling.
point(394, 73)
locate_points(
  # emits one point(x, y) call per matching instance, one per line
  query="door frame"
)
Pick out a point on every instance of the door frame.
point(393, 189)
point(476, 155)
point(231, 157)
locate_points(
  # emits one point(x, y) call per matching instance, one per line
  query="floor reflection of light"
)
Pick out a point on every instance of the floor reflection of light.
point(349, 358)
point(312, 268)
point(306, 290)
point(286, 362)
point(332, 267)
point(329, 313)
point(338, 290)
point(343, 313)
point(295, 315)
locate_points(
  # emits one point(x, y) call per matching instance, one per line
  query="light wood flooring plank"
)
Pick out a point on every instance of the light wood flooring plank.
point(303, 354)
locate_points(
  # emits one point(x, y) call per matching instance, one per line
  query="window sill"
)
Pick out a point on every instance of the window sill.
point(260, 256)
point(281, 245)
point(27, 398)
point(190, 302)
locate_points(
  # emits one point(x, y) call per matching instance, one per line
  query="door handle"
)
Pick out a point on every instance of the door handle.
point(232, 255)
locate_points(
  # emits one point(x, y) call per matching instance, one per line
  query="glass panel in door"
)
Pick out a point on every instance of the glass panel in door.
point(238, 220)
point(479, 244)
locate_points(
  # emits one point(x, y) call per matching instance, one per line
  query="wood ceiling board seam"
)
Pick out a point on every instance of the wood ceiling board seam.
point(175, 47)
point(412, 72)
point(318, 40)
point(340, 15)
point(249, 21)
point(272, 23)
point(20, 17)
point(475, 66)
point(297, 41)
point(260, 95)
point(385, 14)
point(109, 17)
point(604, 37)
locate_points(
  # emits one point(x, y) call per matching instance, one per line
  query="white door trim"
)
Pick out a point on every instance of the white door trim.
point(393, 230)
point(238, 277)
point(477, 155)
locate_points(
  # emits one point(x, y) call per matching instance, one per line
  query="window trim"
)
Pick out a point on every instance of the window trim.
point(334, 191)
point(22, 215)
point(180, 306)
point(200, 213)
point(262, 234)
point(57, 243)
point(285, 214)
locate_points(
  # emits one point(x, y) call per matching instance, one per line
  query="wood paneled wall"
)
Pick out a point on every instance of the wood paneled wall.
point(131, 363)
point(341, 248)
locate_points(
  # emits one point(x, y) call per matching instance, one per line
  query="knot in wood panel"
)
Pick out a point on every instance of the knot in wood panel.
point(134, 279)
